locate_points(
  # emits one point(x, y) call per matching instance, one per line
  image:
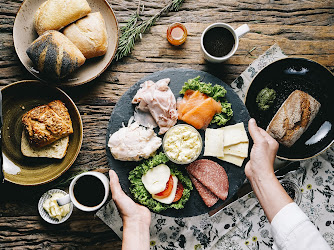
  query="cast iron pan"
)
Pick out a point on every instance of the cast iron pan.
point(124, 110)
point(285, 76)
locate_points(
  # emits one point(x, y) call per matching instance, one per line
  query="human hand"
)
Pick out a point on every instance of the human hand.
point(130, 211)
point(263, 153)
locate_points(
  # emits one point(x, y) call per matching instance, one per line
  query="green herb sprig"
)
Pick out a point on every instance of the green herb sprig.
point(135, 27)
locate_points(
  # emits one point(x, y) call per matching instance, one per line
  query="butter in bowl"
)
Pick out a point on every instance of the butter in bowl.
point(182, 144)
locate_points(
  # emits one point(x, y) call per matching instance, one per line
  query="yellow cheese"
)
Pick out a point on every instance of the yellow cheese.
point(214, 142)
point(233, 159)
point(234, 134)
point(240, 149)
point(169, 199)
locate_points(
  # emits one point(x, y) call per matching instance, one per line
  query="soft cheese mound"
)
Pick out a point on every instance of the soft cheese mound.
point(133, 143)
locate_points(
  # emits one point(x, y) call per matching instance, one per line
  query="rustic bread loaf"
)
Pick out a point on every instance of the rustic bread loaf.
point(56, 14)
point(293, 118)
point(47, 123)
point(55, 55)
point(56, 149)
point(89, 34)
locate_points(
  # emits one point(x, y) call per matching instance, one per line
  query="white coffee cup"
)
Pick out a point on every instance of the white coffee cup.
point(239, 32)
point(71, 196)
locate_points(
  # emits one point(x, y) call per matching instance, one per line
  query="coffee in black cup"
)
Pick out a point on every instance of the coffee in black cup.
point(89, 191)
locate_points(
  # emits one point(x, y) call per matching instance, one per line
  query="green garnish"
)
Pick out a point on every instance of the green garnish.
point(265, 98)
point(217, 92)
point(140, 193)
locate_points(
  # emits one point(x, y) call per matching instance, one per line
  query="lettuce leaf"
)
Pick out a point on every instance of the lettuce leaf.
point(217, 92)
point(140, 193)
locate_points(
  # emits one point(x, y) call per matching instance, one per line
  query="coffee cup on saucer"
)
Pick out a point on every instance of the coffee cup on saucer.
point(219, 41)
point(88, 191)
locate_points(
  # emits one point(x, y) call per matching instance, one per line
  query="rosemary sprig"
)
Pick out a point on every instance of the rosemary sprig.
point(135, 27)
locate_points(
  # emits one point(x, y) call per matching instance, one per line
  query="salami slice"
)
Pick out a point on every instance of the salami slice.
point(211, 175)
point(208, 197)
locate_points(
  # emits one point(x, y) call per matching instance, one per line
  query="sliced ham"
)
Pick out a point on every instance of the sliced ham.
point(211, 175)
point(208, 197)
point(159, 101)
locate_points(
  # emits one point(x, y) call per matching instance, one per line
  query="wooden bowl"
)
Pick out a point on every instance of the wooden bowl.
point(18, 98)
point(24, 34)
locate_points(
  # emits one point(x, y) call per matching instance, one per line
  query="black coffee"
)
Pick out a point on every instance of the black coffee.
point(89, 190)
point(218, 41)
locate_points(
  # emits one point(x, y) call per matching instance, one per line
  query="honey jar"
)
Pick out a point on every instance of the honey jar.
point(176, 34)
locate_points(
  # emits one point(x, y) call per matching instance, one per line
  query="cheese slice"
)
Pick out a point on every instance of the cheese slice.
point(156, 178)
point(233, 159)
point(240, 149)
point(214, 142)
point(169, 199)
point(234, 134)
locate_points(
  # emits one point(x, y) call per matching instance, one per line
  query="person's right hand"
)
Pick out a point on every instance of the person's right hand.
point(263, 153)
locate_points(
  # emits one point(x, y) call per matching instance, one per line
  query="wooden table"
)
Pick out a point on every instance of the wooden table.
point(300, 28)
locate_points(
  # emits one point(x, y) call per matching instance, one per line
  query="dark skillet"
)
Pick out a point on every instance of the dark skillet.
point(285, 76)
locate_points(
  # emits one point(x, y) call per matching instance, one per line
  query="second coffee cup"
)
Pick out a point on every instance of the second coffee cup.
point(88, 191)
point(220, 41)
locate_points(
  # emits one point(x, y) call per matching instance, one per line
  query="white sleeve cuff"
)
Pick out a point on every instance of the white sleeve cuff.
point(292, 229)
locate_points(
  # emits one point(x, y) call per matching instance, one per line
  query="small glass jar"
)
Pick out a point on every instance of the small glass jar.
point(176, 34)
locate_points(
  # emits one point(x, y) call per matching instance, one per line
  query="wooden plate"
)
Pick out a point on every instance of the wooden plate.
point(24, 34)
point(285, 76)
point(124, 110)
point(18, 98)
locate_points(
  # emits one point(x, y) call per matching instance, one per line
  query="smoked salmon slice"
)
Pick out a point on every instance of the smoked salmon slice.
point(190, 100)
point(199, 114)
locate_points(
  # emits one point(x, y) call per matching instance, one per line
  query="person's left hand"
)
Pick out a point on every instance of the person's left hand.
point(130, 211)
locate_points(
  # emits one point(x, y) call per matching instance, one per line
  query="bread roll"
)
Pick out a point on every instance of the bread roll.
point(47, 123)
point(56, 149)
point(89, 34)
point(293, 118)
point(55, 55)
point(56, 14)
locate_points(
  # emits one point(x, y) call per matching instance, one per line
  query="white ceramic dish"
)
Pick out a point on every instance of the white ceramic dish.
point(24, 34)
point(45, 214)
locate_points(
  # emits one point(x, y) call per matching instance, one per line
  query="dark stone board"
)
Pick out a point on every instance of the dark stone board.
point(124, 110)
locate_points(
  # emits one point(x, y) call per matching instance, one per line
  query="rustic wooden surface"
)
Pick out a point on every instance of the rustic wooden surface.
point(302, 28)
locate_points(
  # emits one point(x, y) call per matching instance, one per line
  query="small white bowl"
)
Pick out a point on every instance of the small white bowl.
point(45, 215)
point(170, 131)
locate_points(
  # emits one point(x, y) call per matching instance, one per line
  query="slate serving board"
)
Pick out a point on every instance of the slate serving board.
point(285, 76)
point(124, 110)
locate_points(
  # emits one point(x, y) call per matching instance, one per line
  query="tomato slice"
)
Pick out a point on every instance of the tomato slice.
point(179, 191)
point(168, 189)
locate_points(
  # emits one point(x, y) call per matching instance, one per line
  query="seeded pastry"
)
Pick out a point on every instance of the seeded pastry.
point(47, 123)
point(293, 118)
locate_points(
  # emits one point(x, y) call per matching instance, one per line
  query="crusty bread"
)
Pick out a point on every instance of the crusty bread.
point(56, 14)
point(56, 149)
point(55, 55)
point(47, 123)
point(89, 34)
point(293, 118)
